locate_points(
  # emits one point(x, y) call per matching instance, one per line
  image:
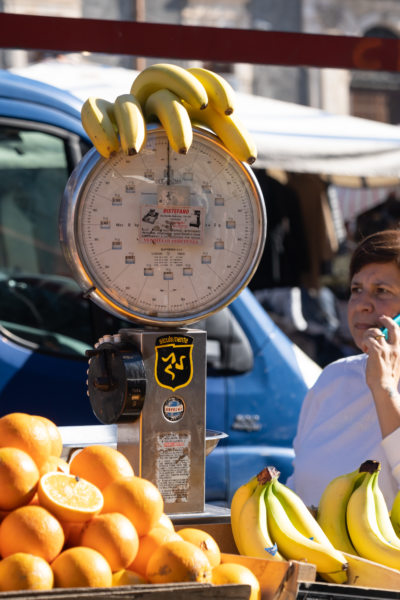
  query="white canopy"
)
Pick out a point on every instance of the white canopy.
point(289, 137)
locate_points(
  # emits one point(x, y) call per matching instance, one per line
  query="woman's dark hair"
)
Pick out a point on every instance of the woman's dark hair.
point(380, 247)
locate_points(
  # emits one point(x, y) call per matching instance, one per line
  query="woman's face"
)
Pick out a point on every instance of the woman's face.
point(375, 291)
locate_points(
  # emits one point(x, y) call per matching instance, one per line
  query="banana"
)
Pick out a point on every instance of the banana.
point(363, 527)
point(329, 562)
point(231, 131)
point(171, 77)
point(331, 513)
point(241, 495)
point(173, 116)
point(382, 513)
point(395, 514)
point(130, 123)
point(299, 514)
point(97, 117)
point(220, 94)
point(254, 539)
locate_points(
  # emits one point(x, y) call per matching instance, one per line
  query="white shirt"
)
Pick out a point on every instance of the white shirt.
point(338, 430)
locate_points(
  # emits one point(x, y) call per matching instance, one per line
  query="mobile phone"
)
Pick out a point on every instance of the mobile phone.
point(384, 330)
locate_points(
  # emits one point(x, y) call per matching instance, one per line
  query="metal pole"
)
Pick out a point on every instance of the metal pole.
point(140, 18)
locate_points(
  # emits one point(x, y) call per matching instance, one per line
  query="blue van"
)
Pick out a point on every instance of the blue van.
point(256, 378)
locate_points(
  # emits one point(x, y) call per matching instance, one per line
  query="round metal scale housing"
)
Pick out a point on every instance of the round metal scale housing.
point(161, 238)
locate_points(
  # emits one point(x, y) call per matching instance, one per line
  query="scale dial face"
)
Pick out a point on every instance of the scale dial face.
point(162, 238)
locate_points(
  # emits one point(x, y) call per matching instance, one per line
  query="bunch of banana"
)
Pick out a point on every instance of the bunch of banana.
point(249, 520)
point(355, 517)
point(103, 120)
point(369, 525)
point(176, 97)
point(270, 521)
point(207, 98)
point(299, 536)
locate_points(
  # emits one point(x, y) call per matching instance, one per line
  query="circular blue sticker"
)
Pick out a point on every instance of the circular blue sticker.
point(174, 408)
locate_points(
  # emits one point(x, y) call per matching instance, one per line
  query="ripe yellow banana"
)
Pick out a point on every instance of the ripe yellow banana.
point(254, 538)
point(363, 527)
point(330, 563)
point(173, 116)
point(299, 514)
point(98, 121)
point(230, 130)
point(331, 514)
point(382, 513)
point(130, 123)
point(241, 495)
point(395, 514)
point(171, 77)
point(220, 93)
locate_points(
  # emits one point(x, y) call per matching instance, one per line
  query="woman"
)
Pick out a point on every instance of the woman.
point(352, 413)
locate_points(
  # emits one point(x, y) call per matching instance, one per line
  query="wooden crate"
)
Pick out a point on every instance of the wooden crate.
point(278, 579)
point(171, 591)
point(282, 580)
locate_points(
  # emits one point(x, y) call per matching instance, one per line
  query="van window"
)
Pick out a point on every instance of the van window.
point(38, 300)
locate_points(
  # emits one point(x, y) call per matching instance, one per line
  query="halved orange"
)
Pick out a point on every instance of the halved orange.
point(69, 497)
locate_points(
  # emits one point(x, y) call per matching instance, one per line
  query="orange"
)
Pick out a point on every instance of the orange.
point(204, 541)
point(136, 498)
point(22, 571)
point(69, 497)
point(54, 435)
point(178, 561)
point(54, 463)
point(124, 577)
point(114, 536)
point(31, 529)
point(100, 465)
point(81, 567)
point(226, 573)
point(28, 433)
point(148, 544)
point(19, 477)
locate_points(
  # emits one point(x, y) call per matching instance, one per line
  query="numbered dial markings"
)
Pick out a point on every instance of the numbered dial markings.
point(169, 237)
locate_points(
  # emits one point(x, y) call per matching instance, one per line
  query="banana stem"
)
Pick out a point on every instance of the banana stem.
point(267, 474)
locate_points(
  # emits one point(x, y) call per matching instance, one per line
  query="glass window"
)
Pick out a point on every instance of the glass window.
point(39, 301)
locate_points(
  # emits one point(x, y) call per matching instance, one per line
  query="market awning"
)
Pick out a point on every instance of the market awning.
point(345, 150)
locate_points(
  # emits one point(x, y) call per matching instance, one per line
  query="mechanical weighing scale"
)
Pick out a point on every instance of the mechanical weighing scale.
point(161, 240)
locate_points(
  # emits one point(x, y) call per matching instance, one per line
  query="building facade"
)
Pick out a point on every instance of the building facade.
point(366, 94)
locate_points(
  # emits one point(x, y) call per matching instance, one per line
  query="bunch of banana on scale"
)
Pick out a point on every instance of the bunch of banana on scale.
point(176, 97)
point(270, 521)
point(354, 515)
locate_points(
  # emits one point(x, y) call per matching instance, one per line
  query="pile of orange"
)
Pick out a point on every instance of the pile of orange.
point(90, 522)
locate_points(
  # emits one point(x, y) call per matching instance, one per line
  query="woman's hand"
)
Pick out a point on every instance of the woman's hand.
point(383, 372)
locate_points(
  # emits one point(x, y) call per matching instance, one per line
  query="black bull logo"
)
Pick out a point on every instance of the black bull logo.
point(174, 363)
